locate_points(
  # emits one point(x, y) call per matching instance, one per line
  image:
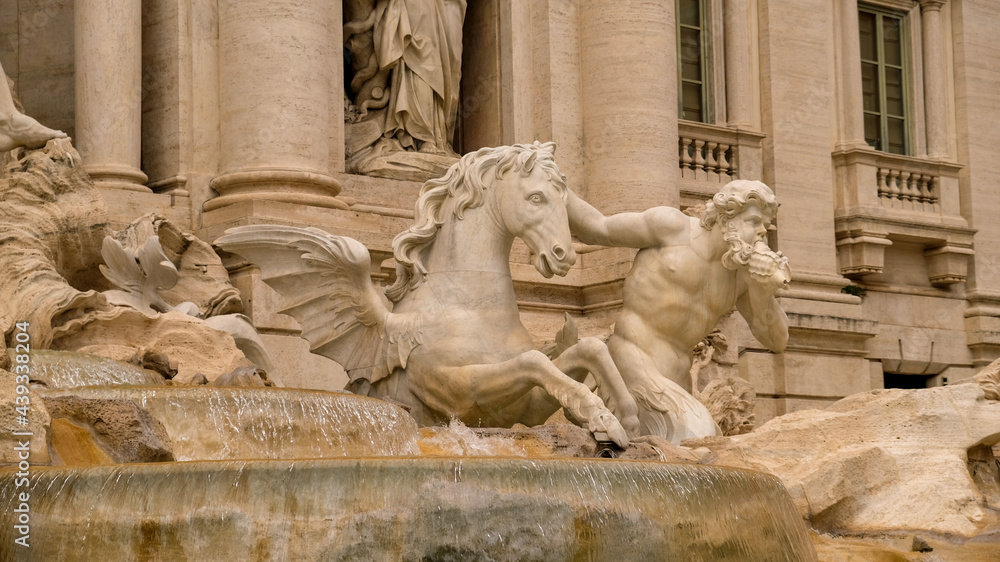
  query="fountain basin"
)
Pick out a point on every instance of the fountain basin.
point(226, 423)
point(406, 509)
point(68, 369)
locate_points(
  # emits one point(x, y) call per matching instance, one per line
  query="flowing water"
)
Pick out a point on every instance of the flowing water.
point(409, 509)
point(67, 369)
point(220, 423)
point(263, 482)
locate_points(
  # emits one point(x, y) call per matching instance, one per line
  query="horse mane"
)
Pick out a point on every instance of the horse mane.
point(466, 181)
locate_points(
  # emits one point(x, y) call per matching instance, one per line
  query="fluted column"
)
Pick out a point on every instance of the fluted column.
point(108, 53)
point(275, 118)
point(629, 87)
point(935, 104)
point(738, 76)
point(852, 116)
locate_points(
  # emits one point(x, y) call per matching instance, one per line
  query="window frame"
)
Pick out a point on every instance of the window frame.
point(705, 53)
point(906, 78)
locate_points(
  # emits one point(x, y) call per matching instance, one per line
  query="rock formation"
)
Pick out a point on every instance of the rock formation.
point(880, 461)
point(53, 226)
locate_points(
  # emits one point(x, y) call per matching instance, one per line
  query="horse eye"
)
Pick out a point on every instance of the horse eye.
point(535, 198)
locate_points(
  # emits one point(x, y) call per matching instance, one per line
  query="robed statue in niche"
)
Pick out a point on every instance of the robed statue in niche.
point(403, 65)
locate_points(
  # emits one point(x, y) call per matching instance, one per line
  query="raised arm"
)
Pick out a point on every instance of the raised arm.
point(652, 227)
point(762, 312)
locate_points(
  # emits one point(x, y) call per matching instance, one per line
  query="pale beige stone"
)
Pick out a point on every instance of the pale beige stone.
point(453, 319)
point(196, 347)
point(296, 367)
point(718, 261)
point(108, 54)
point(35, 429)
point(882, 461)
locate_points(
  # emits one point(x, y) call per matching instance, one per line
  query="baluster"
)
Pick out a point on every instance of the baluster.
point(904, 187)
point(699, 158)
point(711, 165)
point(724, 168)
point(925, 189)
point(918, 199)
point(932, 191)
point(685, 156)
point(891, 180)
point(883, 188)
point(915, 188)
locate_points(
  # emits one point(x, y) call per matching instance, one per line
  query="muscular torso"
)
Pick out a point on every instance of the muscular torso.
point(673, 297)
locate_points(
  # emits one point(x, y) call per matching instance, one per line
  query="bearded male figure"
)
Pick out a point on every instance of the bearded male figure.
point(688, 274)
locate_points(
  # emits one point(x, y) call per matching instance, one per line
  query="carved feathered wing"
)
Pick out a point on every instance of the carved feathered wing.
point(326, 285)
point(138, 276)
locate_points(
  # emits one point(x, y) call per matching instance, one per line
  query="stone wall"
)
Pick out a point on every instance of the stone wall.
point(241, 127)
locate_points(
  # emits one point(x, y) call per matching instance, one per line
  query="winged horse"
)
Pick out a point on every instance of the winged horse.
point(453, 345)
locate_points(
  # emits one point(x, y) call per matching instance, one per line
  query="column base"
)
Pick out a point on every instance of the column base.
point(286, 186)
point(118, 177)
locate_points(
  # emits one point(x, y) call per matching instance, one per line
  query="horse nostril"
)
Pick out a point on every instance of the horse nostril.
point(558, 252)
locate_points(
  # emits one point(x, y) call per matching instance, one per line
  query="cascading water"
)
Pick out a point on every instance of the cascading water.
point(220, 423)
point(411, 509)
point(66, 369)
point(296, 500)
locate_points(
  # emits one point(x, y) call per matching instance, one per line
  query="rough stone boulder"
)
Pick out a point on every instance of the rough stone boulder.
point(190, 342)
point(52, 222)
point(37, 423)
point(99, 431)
point(881, 461)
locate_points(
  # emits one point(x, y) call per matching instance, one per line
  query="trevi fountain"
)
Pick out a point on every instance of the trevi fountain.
point(145, 417)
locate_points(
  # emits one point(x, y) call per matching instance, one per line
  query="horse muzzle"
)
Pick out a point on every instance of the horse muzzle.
point(556, 261)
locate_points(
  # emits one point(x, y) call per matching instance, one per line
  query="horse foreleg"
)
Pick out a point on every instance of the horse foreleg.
point(489, 389)
point(590, 355)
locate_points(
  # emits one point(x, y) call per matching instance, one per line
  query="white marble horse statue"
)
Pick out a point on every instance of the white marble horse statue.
point(452, 345)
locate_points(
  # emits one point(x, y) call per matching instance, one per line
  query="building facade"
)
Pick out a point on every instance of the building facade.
point(873, 121)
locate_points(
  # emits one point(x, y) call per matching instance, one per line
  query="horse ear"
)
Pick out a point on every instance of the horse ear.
point(530, 162)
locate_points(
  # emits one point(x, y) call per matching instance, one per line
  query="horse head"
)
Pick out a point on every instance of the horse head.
point(520, 186)
point(532, 206)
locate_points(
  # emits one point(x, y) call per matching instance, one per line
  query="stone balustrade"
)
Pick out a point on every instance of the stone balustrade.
point(883, 198)
point(906, 189)
point(710, 156)
point(707, 160)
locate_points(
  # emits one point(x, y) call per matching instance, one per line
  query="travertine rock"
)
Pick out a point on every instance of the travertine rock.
point(880, 461)
point(37, 423)
point(195, 346)
point(52, 223)
point(544, 441)
point(989, 379)
point(241, 376)
point(124, 431)
point(655, 448)
point(137, 263)
point(731, 403)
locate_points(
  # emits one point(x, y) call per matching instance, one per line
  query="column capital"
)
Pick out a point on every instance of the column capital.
point(931, 5)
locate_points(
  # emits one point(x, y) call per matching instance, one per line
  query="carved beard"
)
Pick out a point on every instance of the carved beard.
point(739, 251)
